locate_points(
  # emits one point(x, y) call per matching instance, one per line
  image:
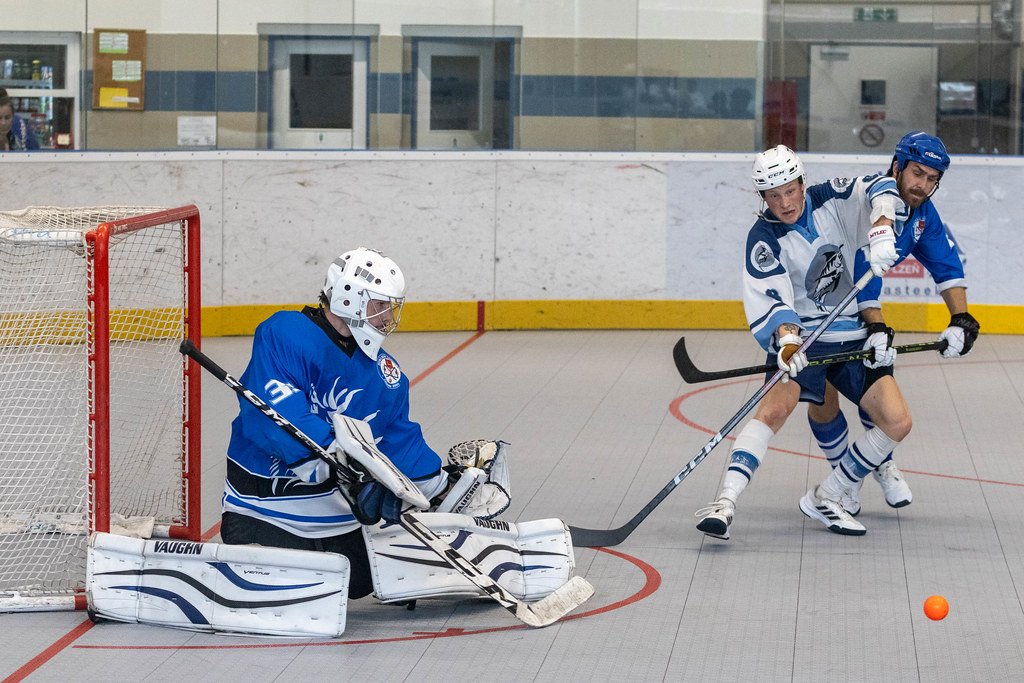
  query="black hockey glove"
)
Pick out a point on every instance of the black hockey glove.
point(960, 335)
point(369, 500)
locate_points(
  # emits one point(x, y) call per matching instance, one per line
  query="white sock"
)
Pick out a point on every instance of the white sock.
point(866, 453)
point(747, 454)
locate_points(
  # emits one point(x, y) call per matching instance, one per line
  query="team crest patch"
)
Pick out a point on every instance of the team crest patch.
point(918, 229)
point(762, 258)
point(389, 371)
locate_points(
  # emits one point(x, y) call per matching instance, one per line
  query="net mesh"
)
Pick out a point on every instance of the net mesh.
point(47, 440)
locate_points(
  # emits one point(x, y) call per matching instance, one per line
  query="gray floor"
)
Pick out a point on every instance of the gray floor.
point(599, 422)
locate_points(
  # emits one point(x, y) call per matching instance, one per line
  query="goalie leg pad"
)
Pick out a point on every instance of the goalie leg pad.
point(212, 587)
point(529, 559)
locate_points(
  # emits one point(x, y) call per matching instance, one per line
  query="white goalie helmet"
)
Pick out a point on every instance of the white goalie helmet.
point(366, 289)
point(775, 167)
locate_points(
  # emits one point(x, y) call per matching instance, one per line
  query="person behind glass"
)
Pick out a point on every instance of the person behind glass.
point(15, 133)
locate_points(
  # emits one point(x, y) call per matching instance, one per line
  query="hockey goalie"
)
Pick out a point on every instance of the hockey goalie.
point(287, 507)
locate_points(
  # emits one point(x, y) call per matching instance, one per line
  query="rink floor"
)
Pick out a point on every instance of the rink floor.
point(598, 423)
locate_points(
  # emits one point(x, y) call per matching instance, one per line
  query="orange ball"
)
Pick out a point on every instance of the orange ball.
point(936, 608)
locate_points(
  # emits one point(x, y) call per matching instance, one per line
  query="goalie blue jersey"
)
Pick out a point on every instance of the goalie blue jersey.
point(306, 372)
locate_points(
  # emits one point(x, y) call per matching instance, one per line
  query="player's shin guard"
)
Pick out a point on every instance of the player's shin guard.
point(747, 452)
point(242, 589)
point(529, 559)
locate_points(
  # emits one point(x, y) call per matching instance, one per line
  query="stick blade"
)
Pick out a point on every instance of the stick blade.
point(687, 370)
point(556, 605)
point(598, 538)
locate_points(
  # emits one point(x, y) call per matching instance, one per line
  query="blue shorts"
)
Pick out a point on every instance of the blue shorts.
point(852, 378)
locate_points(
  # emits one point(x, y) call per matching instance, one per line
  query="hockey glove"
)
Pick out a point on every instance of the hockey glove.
point(881, 249)
point(790, 358)
point(478, 480)
point(960, 335)
point(880, 338)
point(369, 499)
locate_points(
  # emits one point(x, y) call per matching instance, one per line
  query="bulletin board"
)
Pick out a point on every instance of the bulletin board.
point(118, 68)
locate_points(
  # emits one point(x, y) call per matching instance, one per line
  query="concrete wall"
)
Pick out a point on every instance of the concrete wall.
point(545, 239)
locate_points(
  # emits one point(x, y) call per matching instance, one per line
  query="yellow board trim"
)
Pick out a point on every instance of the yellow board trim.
point(564, 314)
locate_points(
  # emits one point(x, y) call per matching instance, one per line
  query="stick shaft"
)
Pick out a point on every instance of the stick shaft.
point(691, 374)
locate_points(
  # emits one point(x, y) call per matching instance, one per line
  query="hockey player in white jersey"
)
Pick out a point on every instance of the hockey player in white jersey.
point(323, 367)
point(911, 226)
point(799, 264)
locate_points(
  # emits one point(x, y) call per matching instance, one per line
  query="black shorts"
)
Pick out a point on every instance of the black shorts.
point(236, 529)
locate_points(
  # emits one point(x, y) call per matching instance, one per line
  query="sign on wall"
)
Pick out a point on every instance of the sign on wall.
point(118, 68)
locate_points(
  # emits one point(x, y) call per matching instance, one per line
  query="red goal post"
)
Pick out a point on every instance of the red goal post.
point(99, 413)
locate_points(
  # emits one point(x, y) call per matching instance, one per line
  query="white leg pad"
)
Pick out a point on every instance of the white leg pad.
point(212, 587)
point(529, 559)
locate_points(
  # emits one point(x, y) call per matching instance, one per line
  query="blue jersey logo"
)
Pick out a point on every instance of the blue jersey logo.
point(389, 371)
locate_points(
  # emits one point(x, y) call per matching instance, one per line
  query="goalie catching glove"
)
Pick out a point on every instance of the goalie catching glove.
point(478, 480)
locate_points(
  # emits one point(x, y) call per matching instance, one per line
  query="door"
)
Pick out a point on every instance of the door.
point(864, 98)
point(454, 95)
point(318, 93)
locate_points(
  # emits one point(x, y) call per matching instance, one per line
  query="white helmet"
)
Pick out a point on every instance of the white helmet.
point(366, 289)
point(775, 167)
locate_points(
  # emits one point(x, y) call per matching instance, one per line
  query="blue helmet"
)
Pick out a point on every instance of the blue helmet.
point(925, 149)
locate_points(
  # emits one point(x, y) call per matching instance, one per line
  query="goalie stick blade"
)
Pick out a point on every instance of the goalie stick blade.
point(598, 538)
point(568, 597)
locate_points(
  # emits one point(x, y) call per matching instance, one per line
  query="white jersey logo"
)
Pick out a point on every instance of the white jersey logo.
point(762, 258)
point(824, 277)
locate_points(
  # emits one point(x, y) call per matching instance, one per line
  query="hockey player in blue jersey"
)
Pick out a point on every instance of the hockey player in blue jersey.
point(309, 365)
point(917, 166)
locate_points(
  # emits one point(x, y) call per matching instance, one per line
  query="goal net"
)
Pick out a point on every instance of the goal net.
point(99, 412)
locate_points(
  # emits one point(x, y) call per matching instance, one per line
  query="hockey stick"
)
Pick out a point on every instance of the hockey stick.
point(601, 538)
point(553, 607)
point(692, 375)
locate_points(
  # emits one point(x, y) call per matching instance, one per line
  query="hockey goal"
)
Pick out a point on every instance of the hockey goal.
point(99, 412)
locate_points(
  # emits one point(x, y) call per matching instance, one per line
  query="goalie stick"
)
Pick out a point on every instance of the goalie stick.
point(602, 538)
point(550, 609)
point(692, 375)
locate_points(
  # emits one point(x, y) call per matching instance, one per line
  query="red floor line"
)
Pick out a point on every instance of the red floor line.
point(48, 654)
point(447, 357)
point(674, 408)
point(68, 638)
